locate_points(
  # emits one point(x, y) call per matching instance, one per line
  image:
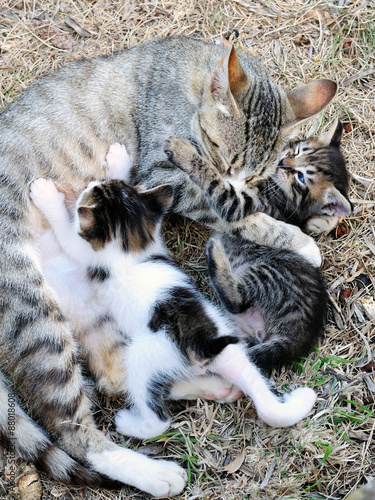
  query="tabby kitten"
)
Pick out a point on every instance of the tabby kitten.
point(172, 332)
point(276, 298)
point(309, 188)
point(311, 184)
point(61, 127)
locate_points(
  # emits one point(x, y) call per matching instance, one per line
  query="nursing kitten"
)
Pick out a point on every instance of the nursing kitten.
point(172, 332)
point(276, 298)
point(311, 184)
point(61, 127)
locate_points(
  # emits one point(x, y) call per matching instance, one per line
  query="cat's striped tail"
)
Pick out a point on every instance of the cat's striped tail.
point(21, 436)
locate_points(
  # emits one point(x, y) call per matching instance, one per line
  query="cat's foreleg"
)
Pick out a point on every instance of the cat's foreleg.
point(103, 348)
point(119, 162)
point(51, 203)
point(225, 283)
point(265, 230)
point(153, 362)
point(233, 364)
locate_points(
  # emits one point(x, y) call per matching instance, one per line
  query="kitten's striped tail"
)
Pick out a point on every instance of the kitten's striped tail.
point(21, 436)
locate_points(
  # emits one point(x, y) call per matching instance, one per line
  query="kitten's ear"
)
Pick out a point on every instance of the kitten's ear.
point(159, 199)
point(336, 203)
point(333, 136)
point(228, 77)
point(310, 99)
point(86, 217)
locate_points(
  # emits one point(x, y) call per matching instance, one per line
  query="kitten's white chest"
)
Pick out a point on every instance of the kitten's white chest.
point(133, 290)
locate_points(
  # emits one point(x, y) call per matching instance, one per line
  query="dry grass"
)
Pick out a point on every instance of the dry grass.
point(228, 452)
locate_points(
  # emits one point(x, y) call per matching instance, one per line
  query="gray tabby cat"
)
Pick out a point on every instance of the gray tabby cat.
point(61, 127)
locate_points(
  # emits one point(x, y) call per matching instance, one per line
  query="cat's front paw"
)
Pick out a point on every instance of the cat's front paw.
point(45, 195)
point(119, 162)
point(180, 152)
point(132, 424)
point(321, 223)
point(311, 253)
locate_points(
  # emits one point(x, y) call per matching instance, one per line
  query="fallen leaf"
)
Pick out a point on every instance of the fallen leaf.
point(341, 230)
point(358, 76)
point(348, 127)
point(348, 50)
point(370, 367)
point(302, 40)
point(29, 486)
point(346, 292)
point(76, 27)
point(53, 35)
point(320, 15)
point(236, 464)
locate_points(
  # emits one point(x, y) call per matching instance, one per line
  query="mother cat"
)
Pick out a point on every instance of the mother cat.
point(61, 128)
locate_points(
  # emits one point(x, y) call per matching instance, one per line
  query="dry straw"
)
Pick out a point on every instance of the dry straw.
point(229, 453)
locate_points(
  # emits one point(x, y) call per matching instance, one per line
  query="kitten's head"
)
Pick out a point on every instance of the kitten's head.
point(113, 210)
point(245, 119)
point(314, 177)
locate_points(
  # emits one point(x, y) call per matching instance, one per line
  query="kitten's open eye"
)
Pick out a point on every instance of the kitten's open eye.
point(301, 177)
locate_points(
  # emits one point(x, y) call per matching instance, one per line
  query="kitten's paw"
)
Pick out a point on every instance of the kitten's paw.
point(211, 387)
point(130, 424)
point(322, 223)
point(45, 195)
point(180, 152)
point(119, 162)
point(311, 253)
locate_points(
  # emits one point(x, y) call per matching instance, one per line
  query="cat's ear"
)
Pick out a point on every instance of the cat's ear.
point(228, 78)
point(333, 136)
point(310, 99)
point(336, 203)
point(86, 217)
point(159, 199)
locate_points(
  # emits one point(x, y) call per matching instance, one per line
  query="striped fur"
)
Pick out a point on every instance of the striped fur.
point(173, 333)
point(276, 298)
point(61, 128)
point(308, 189)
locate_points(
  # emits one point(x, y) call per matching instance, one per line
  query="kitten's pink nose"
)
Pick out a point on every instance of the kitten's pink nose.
point(287, 162)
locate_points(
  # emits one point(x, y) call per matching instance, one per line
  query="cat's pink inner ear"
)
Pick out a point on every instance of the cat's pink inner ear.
point(335, 203)
point(228, 76)
point(237, 77)
point(86, 217)
point(308, 100)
